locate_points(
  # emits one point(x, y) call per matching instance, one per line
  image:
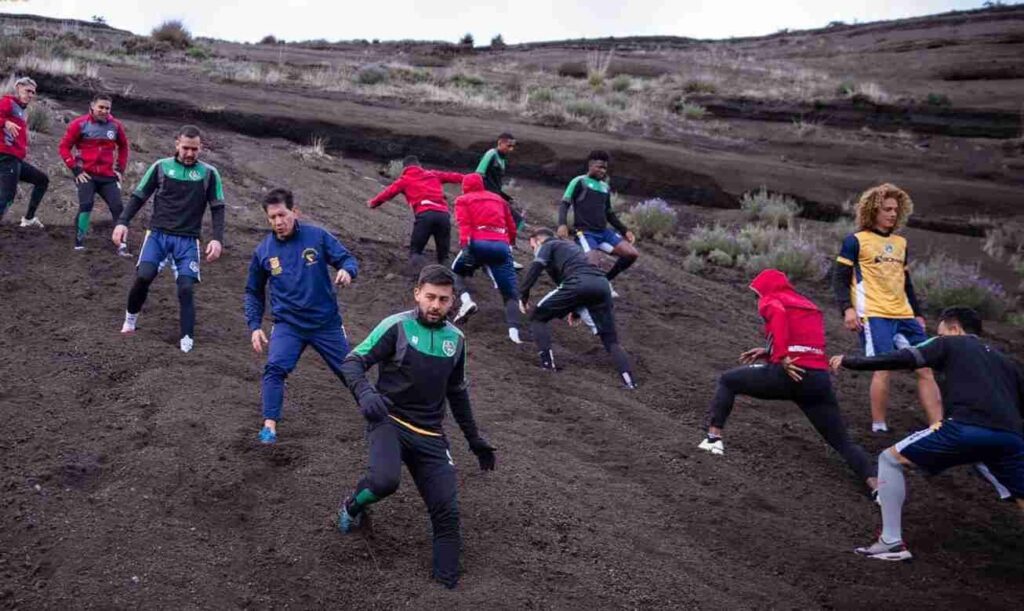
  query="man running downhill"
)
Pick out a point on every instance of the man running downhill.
point(982, 420)
point(182, 187)
point(421, 360)
point(424, 192)
point(293, 260)
point(14, 148)
point(88, 150)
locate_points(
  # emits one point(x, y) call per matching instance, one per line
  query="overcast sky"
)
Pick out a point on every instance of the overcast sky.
point(517, 21)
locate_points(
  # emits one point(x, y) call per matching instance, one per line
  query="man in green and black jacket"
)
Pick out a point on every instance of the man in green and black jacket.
point(422, 363)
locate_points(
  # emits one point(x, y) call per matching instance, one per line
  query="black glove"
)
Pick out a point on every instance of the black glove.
point(374, 406)
point(77, 170)
point(484, 453)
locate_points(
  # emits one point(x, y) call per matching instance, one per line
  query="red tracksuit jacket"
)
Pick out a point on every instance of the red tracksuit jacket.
point(11, 110)
point(95, 142)
point(793, 325)
point(422, 189)
point(482, 215)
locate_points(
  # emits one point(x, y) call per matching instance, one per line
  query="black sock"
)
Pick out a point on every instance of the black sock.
point(621, 264)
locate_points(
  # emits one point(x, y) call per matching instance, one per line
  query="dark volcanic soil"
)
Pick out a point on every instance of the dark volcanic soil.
point(131, 476)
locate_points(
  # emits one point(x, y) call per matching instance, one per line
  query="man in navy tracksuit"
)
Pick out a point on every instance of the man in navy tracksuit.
point(303, 303)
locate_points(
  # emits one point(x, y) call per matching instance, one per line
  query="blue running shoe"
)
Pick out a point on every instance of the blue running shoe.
point(267, 436)
point(348, 523)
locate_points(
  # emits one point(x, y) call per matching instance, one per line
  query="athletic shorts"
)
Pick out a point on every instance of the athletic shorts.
point(181, 251)
point(605, 240)
point(950, 443)
point(884, 335)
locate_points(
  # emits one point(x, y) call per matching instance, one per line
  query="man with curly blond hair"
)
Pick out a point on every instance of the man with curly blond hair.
point(876, 296)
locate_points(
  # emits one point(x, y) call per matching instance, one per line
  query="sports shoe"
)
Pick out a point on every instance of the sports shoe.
point(513, 334)
point(879, 427)
point(467, 309)
point(713, 445)
point(547, 360)
point(79, 242)
point(130, 320)
point(628, 382)
point(348, 523)
point(122, 250)
point(880, 550)
point(32, 222)
point(517, 265)
point(186, 344)
point(267, 436)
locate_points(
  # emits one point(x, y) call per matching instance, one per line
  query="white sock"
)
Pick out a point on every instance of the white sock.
point(513, 334)
point(879, 427)
point(465, 298)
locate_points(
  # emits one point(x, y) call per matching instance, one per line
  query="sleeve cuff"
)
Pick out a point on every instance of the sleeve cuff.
point(844, 261)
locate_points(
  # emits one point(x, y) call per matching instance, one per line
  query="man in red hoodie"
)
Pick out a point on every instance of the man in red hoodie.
point(96, 136)
point(486, 232)
point(796, 370)
point(14, 147)
point(424, 192)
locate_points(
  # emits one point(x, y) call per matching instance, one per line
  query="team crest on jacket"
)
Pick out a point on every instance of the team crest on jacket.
point(310, 255)
point(275, 266)
point(448, 347)
point(110, 134)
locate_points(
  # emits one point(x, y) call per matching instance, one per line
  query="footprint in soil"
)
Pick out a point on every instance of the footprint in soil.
point(79, 471)
point(759, 503)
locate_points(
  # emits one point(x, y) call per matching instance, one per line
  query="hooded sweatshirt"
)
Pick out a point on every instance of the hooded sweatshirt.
point(423, 189)
point(482, 215)
point(794, 325)
point(12, 110)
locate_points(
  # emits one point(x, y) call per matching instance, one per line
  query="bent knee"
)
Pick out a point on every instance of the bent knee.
point(384, 485)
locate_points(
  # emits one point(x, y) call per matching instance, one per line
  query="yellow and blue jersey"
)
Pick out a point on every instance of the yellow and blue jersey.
point(879, 286)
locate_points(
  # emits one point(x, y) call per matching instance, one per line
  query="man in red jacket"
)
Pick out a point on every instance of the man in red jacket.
point(796, 370)
point(486, 232)
point(424, 192)
point(14, 147)
point(97, 169)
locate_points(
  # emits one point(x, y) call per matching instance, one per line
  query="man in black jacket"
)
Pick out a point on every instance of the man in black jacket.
point(422, 363)
point(983, 407)
point(582, 290)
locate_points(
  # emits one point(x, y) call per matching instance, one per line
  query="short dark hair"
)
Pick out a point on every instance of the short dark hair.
point(967, 318)
point(505, 136)
point(542, 232)
point(190, 131)
point(102, 97)
point(279, 195)
point(410, 160)
point(437, 275)
point(599, 155)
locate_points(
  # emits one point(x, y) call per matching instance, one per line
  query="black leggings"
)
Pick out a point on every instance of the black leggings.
point(814, 396)
point(186, 296)
point(108, 189)
point(431, 224)
point(13, 171)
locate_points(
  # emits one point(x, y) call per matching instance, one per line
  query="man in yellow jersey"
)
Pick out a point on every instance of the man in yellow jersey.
point(876, 296)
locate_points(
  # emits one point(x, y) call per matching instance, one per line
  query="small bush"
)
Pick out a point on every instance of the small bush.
point(498, 43)
point(269, 39)
point(842, 227)
point(12, 48)
point(468, 81)
point(174, 33)
point(39, 119)
point(846, 89)
point(592, 112)
point(689, 110)
point(698, 87)
point(941, 282)
point(394, 169)
point(705, 239)
point(372, 74)
point(197, 53)
point(938, 99)
point(653, 218)
point(572, 69)
point(466, 40)
point(694, 264)
point(794, 255)
point(773, 209)
point(139, 45)
point(622, 83)
point(720, 258)
point(540, 97)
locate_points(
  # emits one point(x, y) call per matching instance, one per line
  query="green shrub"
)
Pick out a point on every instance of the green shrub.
point(39, 119)
point(720, 258)
point(592, 112)
point(622, 83)
point(694, 264)
point(466, 40)
point(467, 81)
point(498, 43)
point(394, 169)
point(846, 89)
point(12, 48)
point(140, 45)
point(700, 87)
point(773, 209)
point(269, 39)
point(756, 248)
point(653, 218)
point(794, 255)
point(197, 53)
point(942, 282)
point(540, 97)
point(689, 110)
point(174, 33)
point(372, 74)
point(705, 239)
point(938, 99)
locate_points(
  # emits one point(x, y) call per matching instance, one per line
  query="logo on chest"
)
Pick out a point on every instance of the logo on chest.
point(889, 254)
point(448, 347)
point(275, 266)
point(310, 256)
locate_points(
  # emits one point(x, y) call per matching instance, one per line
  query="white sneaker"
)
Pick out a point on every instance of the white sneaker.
point(615, 294)
point(467, 309)
point(32, 222)
point(513, 334)
point(130, 320)
point(716, 447)
point(880, 550)
point(186, 344)
point(879, 427)
point(517, 265)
